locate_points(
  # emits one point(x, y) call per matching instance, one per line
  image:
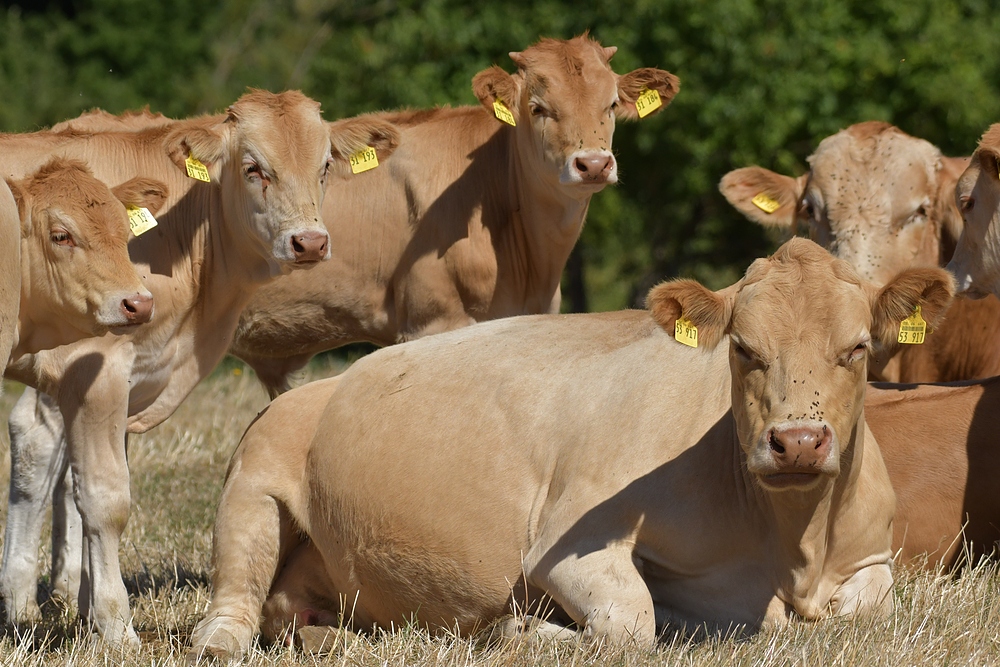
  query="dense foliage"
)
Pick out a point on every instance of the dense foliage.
point(762, 81)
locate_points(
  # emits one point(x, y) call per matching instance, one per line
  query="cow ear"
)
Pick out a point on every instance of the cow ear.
point(141, 192)
point(765, 197)
point(21, 198)
point(493, 85)
point(946, 210)
point(352, 135)
point(631, 85)
point(709, 311)
point(931, 288)
point(201, 138)
point(989, 160)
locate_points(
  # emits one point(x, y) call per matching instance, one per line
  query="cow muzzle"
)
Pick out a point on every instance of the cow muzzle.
point(302, 247)
point(794, 455)
point(593, 168)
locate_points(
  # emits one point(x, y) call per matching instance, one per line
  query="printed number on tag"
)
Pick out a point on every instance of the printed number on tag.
point(503, 113)
point(364, 160)
point(765, 203)
point(648, 102)
point(140, 220)
point(913, 329)
point(197, 170)
point(686, 332)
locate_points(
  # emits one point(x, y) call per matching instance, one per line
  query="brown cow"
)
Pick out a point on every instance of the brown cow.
point(939, 446)
point(216, 242)
point(592, 458)
point(473, 219)
point(883, 201)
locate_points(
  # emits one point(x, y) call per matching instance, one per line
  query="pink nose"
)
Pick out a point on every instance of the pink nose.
point(309, 247)
point(595, 166)
point(800, 446)
point(138, 308)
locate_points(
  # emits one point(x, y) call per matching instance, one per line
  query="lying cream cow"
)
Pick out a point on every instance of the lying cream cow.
point(593, 458)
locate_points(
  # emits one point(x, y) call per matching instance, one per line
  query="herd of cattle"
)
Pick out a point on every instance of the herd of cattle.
point(591, 466)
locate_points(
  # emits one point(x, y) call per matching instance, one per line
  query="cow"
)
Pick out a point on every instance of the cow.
point(75, 277)
point(99, 120)
point(939, 446)
point(976, 263)
point(473, 220)
point(882, 200)
point(593, 459)
point(257, 216)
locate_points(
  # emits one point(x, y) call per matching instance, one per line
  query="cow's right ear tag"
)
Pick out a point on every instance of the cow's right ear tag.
point(140, 220)
point(647, 102)
point(503, 113)
point(196, 170)
point(685, 332)
point(765, 203)
point(913, 329)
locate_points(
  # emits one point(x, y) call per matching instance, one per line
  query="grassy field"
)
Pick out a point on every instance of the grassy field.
point(177, 474)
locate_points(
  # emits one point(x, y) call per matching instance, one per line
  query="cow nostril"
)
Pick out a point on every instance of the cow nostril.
point(775, 445)
point(297, 247)
point(129, 306)
point(581, 166)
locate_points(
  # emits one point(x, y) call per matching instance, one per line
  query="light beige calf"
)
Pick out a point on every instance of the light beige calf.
point(591, 458)
point(884, 201)
point(976, 263)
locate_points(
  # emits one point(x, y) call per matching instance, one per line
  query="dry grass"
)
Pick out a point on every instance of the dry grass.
point(177, 473)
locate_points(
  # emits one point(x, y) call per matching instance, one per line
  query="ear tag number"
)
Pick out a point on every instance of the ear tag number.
point(364, 160)
point(140, 220)
point(647, 102)
point(685, 332)
point(913, 329)
point(765, 203)
point(503, 113)
point(196, 170)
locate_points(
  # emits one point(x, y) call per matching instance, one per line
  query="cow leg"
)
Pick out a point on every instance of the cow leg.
point(251, 532)
point(38, 460)
point(868, 591)
point(599, 587)
point(95, 435)
point(67, 540)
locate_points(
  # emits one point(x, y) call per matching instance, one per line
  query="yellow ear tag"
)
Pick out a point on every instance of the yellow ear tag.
point(503, 113)
point(140, 220)
point(765, 203)
point(685, 332)
point(364, 160)
point(647, 102)
point(913, 329)
point(196, 170)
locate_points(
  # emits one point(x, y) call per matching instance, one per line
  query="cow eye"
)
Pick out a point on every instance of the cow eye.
point(858, 353)
point(966, 203)
point(538, 110)
point(251, 170)
point(62, 237)
point(807, 209)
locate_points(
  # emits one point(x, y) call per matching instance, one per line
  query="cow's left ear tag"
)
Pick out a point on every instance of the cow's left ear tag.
point(765, 203)
point(196, 170)
point(503, 113)
point(140, 220)
point(913, 329)
point(364, 160)
point(647, 102)
point(685, 332)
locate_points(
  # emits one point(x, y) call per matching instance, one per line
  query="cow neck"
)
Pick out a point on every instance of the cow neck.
point(546, 221)
point(801, 525)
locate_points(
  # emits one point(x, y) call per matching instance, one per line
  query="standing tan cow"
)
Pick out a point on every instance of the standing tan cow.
point(593, 458)
point(472, 220)
point(883, 201)
point(976, 263)
point(256, 217)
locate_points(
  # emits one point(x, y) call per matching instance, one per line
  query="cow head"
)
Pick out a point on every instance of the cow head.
point(800, 327)
point(976, 263)
point(271, 155)
point(874, 196)
point(76, 277)
point(564, 99)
